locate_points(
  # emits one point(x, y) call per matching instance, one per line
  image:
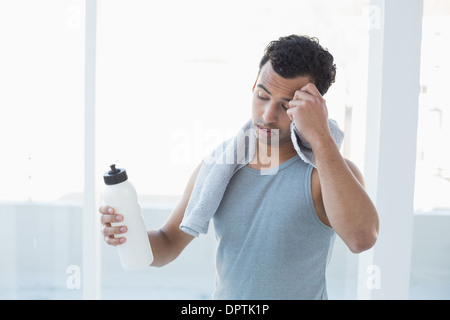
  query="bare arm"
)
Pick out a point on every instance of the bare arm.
point(344, 203)
point(346, 206)
point(167, 242)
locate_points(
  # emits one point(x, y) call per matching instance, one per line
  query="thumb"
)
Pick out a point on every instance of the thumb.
point(290, 113)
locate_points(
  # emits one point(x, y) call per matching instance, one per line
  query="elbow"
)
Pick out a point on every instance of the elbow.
point(365, 237)
point(361, 244)
point(358, 248)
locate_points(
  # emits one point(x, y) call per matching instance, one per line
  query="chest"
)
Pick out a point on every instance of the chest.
point(275, 203)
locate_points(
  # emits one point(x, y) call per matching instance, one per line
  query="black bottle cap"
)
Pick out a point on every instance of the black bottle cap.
point(115, 176)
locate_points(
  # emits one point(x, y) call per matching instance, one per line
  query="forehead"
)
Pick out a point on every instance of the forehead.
point(277, 85)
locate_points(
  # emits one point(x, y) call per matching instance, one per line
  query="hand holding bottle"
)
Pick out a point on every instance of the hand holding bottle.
point(112, 234)
point(121, 203)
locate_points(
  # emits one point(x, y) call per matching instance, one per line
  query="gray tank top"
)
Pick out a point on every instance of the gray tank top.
point(271, 243)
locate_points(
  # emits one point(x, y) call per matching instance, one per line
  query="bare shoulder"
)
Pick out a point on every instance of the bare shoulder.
point(315, 181)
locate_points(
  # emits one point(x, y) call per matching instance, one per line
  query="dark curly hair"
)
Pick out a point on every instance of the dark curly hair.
point(295, 55)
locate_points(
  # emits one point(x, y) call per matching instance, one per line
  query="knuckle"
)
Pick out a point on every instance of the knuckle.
point(108, 240)
point(107, 231)
point(310, 86)
point(104, 219)
point(103, 209)
point(113, 241)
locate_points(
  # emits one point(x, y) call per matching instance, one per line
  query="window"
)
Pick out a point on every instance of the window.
point(433, 157)
point(41, 142)
point(174, 79)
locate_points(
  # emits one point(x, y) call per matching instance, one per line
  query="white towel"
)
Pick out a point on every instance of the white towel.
point(218, 168)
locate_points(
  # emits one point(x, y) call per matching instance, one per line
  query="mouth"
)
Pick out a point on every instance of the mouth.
point(264, 131)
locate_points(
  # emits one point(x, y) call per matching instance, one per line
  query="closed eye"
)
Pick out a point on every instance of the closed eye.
point(261, 96)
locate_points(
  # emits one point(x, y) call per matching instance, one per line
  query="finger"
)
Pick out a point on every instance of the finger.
point(311, 89)
point(290, 113)
point(114, 241)
point(303, 95)
point(308, 94)
point(106, 210)
point(111, 218)
point(112, 231)
point(296, 103)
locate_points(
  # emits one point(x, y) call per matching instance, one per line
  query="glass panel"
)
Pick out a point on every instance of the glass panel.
point(430, 261)
point(41, 139)
point(175, 79)
point(433, 153)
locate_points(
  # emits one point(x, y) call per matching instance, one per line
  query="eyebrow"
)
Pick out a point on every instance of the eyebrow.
point(268, 92)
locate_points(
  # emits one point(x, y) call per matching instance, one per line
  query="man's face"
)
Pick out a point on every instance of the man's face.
point(271, 96)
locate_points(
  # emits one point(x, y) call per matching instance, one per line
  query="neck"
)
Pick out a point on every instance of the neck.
point(268, 156)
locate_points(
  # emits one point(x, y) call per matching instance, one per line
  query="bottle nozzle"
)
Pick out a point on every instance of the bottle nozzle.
point(113, 170)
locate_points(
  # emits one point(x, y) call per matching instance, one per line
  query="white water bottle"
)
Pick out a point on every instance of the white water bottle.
point(120, 194)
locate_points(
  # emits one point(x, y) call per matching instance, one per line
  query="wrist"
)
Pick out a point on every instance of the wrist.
point(322, 143)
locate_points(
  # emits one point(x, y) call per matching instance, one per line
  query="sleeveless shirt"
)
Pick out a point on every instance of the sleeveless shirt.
point(271, 243)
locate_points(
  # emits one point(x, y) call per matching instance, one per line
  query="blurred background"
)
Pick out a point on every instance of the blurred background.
point(174, 79)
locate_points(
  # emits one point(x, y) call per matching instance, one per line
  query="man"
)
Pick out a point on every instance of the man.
point(275, 232)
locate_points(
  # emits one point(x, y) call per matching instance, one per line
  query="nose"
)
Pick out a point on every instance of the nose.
point(270, 113)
